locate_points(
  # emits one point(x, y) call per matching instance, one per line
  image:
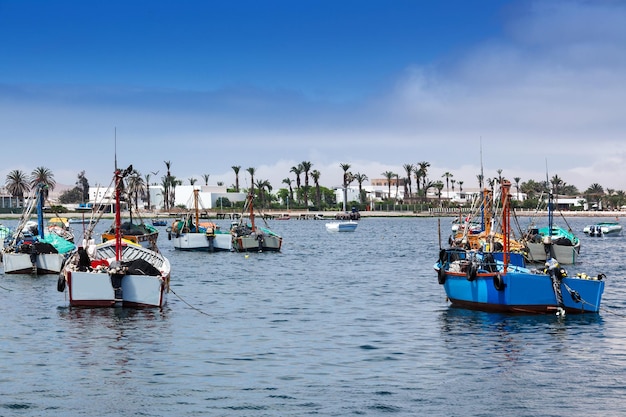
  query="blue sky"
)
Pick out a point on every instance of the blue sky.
point(268, 84)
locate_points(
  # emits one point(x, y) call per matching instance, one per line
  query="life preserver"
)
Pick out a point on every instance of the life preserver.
point(498, 282)
point(472, 270)
point(441, 275)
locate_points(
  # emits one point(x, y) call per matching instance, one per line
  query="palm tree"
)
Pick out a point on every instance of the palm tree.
point(388, 175)
point(397, 184)
point(42, 175)
point(17, 185)
point(347, 179)
point(595, 191)
point(236, 168)
point(147, 178)
point(262, 185)
point(166, 186)
point(206, 179)
point(251, 171)
point(424, 170)
point(315, 174)
point(306, 167)
point(557, 183)
point(517, 180)
point(289, 181)
point(447, 176)
point(83, 184)
point(172, 183)
point(480, 178)
point(361, 178)
point(136, 186)
point(460, 186)
point(408, 168)
point(439, 186)
point(192, 181)
point(297, 170)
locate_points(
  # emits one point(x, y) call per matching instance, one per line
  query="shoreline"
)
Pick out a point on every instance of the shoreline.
point(326, 215)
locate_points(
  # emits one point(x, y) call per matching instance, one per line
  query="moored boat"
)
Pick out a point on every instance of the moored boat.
point(140, 233)
point(494, 282)
point(344, 226)
point(248, 237)
point(30, 249)
point(603, 229)
point(190, 234)
point(116, 272)
point(560, 244)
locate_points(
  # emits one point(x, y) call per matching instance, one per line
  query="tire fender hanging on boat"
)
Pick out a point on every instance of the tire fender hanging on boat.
point(441, 275)
point(498, 282)
point(472, 270)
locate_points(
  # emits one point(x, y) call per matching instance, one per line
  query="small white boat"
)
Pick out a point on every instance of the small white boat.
point(118, 272)
point(603, 229)
point(345, 226)
point(190, 234)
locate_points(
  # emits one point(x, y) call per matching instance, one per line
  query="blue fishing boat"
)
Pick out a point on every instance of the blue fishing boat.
point(501, 281)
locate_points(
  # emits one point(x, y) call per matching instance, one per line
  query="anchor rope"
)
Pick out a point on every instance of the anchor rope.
point(188, 304)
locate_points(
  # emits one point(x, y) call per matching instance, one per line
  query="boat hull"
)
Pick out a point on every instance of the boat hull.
point(603, 229)
point(349, 226)
point(202, 242)
point(95, 289)
point(564, 254)
point(94, 286)
point(20, 263)
point(250, 243)
point(522, 293)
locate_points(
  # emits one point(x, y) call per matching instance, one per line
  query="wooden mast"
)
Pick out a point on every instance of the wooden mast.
point(195, 202)
point(118, 221)
point(506, 222)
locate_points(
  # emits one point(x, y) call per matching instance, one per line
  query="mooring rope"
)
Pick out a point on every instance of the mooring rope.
point(190, 306)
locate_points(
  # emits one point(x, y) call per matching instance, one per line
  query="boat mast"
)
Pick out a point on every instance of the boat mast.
point(251, 208)
point(40, 187)
point(118, 232)
point(195, 202)
point(506, 221)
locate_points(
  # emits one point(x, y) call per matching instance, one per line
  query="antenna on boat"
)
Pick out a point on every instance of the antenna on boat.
point(115, 146)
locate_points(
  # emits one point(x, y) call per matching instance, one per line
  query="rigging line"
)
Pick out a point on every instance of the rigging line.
point(190, 306)
point(613, 312)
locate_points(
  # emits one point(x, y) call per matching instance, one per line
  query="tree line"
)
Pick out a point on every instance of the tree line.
point(300, 193)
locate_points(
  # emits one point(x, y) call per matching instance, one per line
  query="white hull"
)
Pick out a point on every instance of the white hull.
point(95, 287)
point(603, 230)
point(20, 263)
point(200, 242)
point(564, 254)
point(90, 289)
point(349, 226)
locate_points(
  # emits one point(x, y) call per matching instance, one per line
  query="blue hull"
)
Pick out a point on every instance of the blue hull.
point(478, 281)
point(523, 293)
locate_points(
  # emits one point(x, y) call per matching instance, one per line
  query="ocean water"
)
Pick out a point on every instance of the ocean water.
point(334, 325)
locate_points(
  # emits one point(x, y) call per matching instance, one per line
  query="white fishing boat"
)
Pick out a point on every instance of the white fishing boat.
point(117, 272)
point(345, 226)
point(190, 234)
point(248, 237)
point(30, 249)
